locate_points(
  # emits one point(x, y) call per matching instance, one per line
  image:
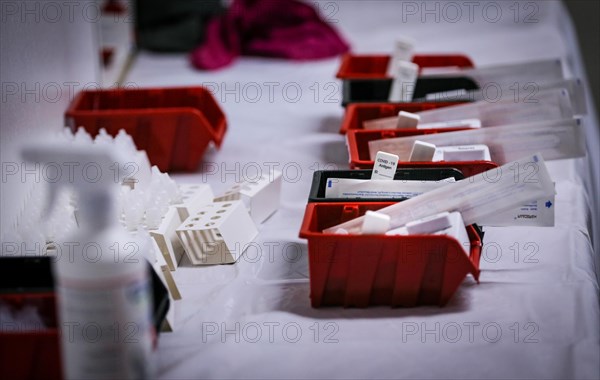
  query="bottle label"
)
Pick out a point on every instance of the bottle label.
point(106, 332)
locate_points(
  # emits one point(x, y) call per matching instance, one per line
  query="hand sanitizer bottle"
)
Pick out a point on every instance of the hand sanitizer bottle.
point(102, 281)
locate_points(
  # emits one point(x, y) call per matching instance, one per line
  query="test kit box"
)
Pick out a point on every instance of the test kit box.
point(365, 77)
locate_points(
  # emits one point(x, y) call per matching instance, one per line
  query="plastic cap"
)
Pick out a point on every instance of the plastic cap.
point(375, 223)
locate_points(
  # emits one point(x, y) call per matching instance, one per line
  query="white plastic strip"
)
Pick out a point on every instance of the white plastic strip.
point(475, 197)
point(553, 139)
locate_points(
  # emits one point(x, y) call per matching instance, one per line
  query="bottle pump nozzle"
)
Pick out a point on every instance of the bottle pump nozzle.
point(93, 172)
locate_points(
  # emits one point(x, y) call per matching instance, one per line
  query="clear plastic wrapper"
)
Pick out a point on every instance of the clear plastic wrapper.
point(552, 139)
point(476, 197)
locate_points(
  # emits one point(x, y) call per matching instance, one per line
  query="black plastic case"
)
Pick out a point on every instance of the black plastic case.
point(320, 177)
point(378, 90)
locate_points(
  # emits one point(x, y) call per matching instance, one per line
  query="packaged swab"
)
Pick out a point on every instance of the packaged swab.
point(399, 122)
point(552, 139)
point(520, 92)
point(550, 104)
point(546, 105)
point(543, 71)
point(475, 197)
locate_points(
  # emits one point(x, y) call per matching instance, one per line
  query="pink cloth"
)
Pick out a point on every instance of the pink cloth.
point(271, 28)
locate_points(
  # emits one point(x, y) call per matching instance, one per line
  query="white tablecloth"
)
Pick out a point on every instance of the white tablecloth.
point(535, 313)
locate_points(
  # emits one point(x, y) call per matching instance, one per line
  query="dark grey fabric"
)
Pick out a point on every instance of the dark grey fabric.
point(173, 26)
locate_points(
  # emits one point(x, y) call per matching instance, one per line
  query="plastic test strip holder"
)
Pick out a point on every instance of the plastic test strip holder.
point(261, 197)
point(193, 196)
point(166, 238)
point(218, 233)
point(162, 271)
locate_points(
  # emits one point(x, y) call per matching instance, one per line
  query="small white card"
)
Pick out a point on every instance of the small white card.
point(403, 51)
point(385, 166)
point(403, 84)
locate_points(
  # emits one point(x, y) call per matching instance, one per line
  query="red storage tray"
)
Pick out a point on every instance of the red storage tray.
point(33, 354)
point(357, 113)
point(375, 66)
point(358, 148)
point(369, 270)
point(173, 125)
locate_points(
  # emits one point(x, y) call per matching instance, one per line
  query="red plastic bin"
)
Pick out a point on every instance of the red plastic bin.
point(375, 66)
point(31, 350)
point(34, 353)
point(365, 80)
point(358, 148)
point(369, 270)
point(173, 125)
point(357, 113)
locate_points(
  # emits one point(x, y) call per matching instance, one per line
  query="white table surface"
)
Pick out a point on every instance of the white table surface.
point(535, 313)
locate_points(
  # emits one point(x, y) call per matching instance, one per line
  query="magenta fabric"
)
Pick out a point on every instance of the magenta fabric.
point(270, 28)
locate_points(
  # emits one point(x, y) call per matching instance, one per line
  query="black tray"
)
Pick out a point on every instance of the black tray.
point(320, 177)
point(378, 90)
